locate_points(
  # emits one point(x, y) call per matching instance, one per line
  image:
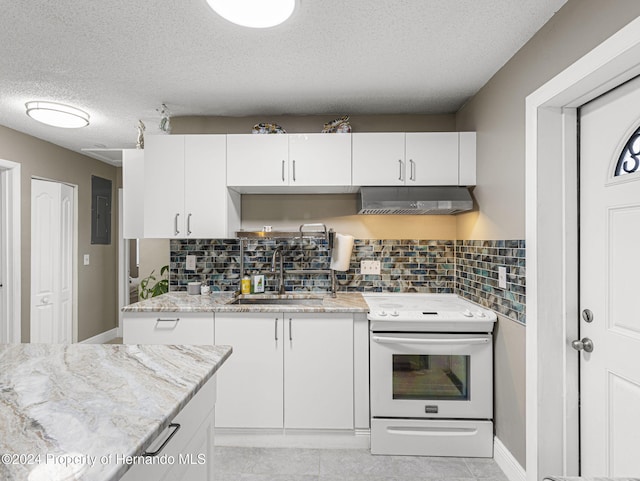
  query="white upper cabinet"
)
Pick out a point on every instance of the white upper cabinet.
point(164, 186)
point(133, 193)
point(414, 158)
point(286, 162)
point(432, 158)
point(257, 160)
point(185, 194)
point(319, 159)
point(378, 158)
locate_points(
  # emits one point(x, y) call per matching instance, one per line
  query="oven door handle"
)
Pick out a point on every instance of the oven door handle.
point(417, 340)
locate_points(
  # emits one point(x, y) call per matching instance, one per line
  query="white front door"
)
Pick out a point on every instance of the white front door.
point(52, 233)
point(609, 294)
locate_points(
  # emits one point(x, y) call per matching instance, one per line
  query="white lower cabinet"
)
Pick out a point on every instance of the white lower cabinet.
point(318, 371)
point(188, 454)
point(167, 328)
point(251, 383)
point(287, 371)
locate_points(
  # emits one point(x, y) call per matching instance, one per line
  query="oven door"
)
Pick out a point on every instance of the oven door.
point(419, 375)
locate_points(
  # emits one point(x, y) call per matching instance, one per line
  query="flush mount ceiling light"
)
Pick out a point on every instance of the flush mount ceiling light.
point(57, 115)
point(254, 13)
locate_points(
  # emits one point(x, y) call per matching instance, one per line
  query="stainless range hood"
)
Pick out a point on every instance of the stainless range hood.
point(414, 200)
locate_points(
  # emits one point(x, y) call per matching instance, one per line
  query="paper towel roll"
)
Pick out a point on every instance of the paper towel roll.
point(341, 253)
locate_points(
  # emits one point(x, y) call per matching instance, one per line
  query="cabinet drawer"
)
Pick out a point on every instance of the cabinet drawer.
point(168, 328)
point(432, 437)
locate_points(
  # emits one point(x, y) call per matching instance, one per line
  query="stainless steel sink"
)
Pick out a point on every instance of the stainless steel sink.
point(280, 301)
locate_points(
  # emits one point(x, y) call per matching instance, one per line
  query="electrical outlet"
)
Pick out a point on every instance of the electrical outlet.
point(86, 259)
point(191, 263)
point(502, 277)
point(370, 267)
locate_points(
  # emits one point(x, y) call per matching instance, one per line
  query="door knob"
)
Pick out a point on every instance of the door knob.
point(585, 344)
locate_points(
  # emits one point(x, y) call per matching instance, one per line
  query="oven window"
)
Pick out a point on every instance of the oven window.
point(426, 377)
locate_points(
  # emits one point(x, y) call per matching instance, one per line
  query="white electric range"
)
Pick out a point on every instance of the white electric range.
point(431, 375)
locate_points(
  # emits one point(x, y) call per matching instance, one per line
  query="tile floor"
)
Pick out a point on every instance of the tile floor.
point(281, 464)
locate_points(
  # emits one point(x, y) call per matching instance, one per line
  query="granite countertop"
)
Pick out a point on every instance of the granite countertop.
point(221, 302)
point(92, 400)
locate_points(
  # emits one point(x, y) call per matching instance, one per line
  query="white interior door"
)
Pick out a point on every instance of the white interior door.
point(65, 325)
point(52, 237)
point(609, 266)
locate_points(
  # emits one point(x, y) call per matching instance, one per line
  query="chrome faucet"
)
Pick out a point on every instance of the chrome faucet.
point(278, 250)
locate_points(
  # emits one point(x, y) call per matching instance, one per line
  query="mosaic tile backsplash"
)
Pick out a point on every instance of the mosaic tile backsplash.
point(469, 268)
point(477, 265)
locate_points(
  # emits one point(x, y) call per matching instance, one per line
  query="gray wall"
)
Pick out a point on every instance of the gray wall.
point(314, 123)
point(497, 113)
point(97, 282)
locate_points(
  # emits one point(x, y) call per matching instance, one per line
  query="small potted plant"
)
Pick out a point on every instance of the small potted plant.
point(149, 288)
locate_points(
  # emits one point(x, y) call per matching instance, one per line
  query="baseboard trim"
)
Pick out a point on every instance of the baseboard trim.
point(102, 337)
point(509, 465)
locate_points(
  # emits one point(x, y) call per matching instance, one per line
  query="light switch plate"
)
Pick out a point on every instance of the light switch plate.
point(86, 259)
point(502, 277)
point(370, 267)
point(191, 263)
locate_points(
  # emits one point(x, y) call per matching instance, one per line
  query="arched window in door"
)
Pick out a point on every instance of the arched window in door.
point(629, 160)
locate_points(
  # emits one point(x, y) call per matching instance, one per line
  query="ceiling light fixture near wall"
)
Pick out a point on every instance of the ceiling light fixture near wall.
point(57, 115)
point(254, 13)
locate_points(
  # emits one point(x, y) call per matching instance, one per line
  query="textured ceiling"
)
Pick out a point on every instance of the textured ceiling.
point(121, 59)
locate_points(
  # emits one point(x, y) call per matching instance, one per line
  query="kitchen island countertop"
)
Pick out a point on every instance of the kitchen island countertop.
point(180, 301)
point(90, 401)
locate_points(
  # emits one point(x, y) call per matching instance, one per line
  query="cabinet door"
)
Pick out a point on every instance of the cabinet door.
point(257, 160)
point(164, 186)
point(191, 445)
point(205, 187)
point(318, 371)
point(250, 385)
point(467, 159)
point(378, 158)
point(432, 158)
point(133, 193)
point(319, 159)
point(167, 328)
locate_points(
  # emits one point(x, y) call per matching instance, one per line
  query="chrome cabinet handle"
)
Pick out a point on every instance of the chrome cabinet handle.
point(585, 344)
point(175, 427)
point(290, 332)
point(418, 431)
point(283, 171)
point(189, 224)
point(175, 224)
point(400, 172)
point(276, 329)
point(412, 175)
point(414, 340)
point(294, 170)
point(161, 324)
